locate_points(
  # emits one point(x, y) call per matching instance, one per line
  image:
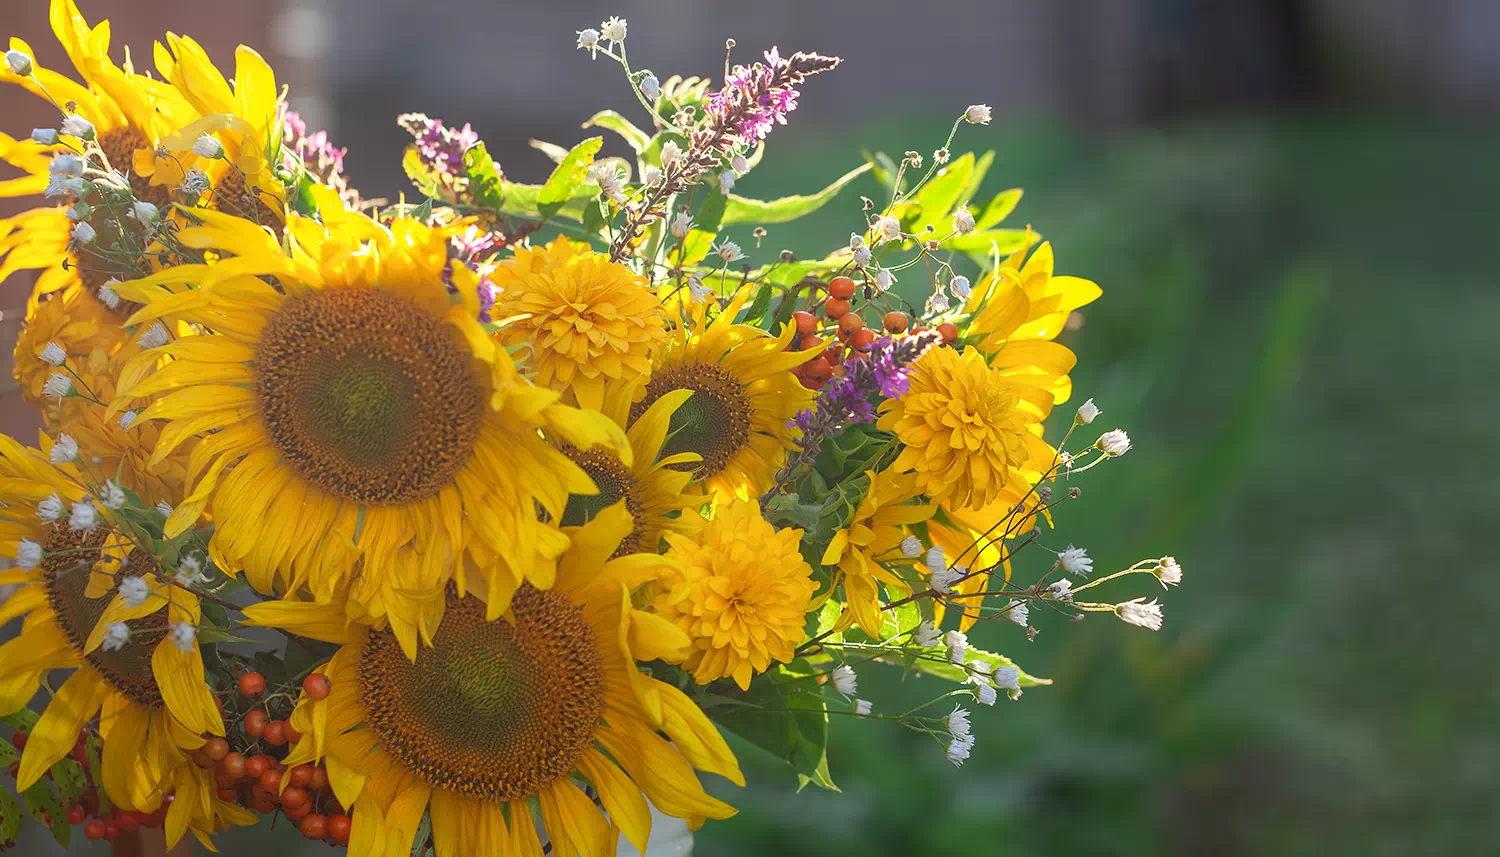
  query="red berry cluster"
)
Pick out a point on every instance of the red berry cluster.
point(854, 338)
point(98, 823)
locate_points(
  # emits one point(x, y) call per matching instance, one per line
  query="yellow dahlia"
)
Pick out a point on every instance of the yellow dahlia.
point(871, 543)
point(744, 396)
point(146, 683)
point(586, 321)
point(967, 430)
point(740, 589)
point(360, 431)
point(501, 718)
point(79, 324)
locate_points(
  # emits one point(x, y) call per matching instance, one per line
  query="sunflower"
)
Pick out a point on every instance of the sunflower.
point(148, 689)
point(79, 324)
point(586, 320)
point(740, 589)
point(744, 397)
point(499, 716)
point(872, 540)
point(653, 489)
point(969, 432)
point(360, 426)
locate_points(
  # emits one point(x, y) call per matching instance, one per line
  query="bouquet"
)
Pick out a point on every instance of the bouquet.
point(473, 523)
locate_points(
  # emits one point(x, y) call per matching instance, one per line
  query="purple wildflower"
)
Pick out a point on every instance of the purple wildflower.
point(320, 158)
point(475, 249)
point(441, 149)
point(763, 95)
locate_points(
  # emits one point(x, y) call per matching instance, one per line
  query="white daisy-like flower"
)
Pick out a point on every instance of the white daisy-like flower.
point(935, 560)
point(985, 694)
point(194, 183)
point(50, 509)
point(670, 152)
point(189, 570)
point(958, 750)
point(611, 181)
point(963, 220)
point(164, 508)
point(116, 635)
point(1008, 678)
point(127, 419)
point(183, 635)
point(958, 646)
point(207, 147)
point(45, 136)
point(652, 175)
point(925, 635)
point(67, 165)
point(844, 680)
point(113, 496)
point(1061, 590)
point(1018, 612)
point(958, 724)
point(59, 385)
point(19, 62)
point(856, 241)
point(887, 228)
point(83, 233)
point(978, 114)
point(613, 30)
point(134, 591)
point(63, 186)
point(739, 165)
point(729, 252)
point(698, 291)
point(862, 707)
point(108, 295)
point(884, 279)
point(1076, 561)
point(53, 354)
point(1168, 571)
point(1086, 413)
point(588, 40)
point(681, 225)
point(943, 579)
point(650, 87)
point(154, 337)
point(145, 212)
point(1142, 613)
point(861, 256)
point(79, 127)
point(84, 516)
point(911, 547)
point(28, 554)
point(1114, 443)
point(64, 450)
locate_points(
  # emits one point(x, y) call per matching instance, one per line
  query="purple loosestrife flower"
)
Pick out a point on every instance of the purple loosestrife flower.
point(320, 158)
point(441, 149)
point(475, 248)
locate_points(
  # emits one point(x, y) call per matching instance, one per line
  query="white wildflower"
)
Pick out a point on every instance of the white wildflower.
point(1087, 412)
point(154, 337)
point(64, 450)
point(862, 707)
point(844, 680)
point(963, 220)
point(958, 646)
point(1075, 561)
point(144, 212)
point(113, 496)
point(985, 694)
point(50, 509)
point(116, 635)
point(134, 591)
point(108, 295)
point(887, 229)
point(613, 30)
point(958, 724)
point(1114, 443)
point(652, 176)
point(28, 554)
point(59, 385)
point(729, 252)
point(884, 280)
point(943, 579)
point(589, 40)
point(651, 87)
point(207, 147)
point(670, 152)
point(66, 165)
point(1007, 677)
point(958, 750)
point(183, 635)
point(1147, 614)
point(961, 288)
point(79, 127)
point(53, 354)
point(19, 62)
point(925, 636)
point(1168, 571)
point(610, 180)
point(84, 516)
point(1062, 590)
point(59, 185)
point(681, 225)
point(856, 241)
point(164, 508)
point(189, 570)
point(938, 302)
point(45, 136)
point(726, 182)
point(861, 256)
point(699, 291)
point(911, 547)
point(127, 419)
point(977, 114)
point(84, 233)
point(739, 165)
point(1019, 612)
point(935, 561)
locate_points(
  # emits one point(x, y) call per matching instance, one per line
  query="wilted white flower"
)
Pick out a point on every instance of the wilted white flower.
point(113, 496)
point(53, 354)
point(943, 579)
point(83, 233)
point(189, 570)
point(1075, 560)
point(1114, 443)
point(729, 252)
point(739, 165)
point(963, 220)
point(652, 175)
point(84, 516)
point(911, 547)
point(66, 165)
point(1019, 612)
point(681, 225)
point(589, 40)
point(670, 152)
point(961, 288)
point(1061, 589)
point(127, 419)
point(194, 182)
point(154, 337)
point(59, 385)
point(613, 30)
point(1086, 413)
point(1168, 571)
point(861, 256)
point(144, 212)
point(985, 694)
point(884, 279)
point(134, 591)
point(651, 87)
point(935, 561)
point(958, 646)
point(45, 136)
point(844, 680)
point(958, 750)
point(978, 114)
point(938, 302)
point(887, 229)
point(699, 291)
point(207, 147)
point(183, 635)
point(116, 635)
point(862, 707)
point(958, 724)
point(165, 508)
point(1007, 677)
point(726, 182)
point(28, 554)
point(64, 450)
point(925, 635)
point(108, 295)
point(50, 509)
point(60, 185)
point(79, 127)
point(610, 179)
point(19, 62)
point(1147, 614)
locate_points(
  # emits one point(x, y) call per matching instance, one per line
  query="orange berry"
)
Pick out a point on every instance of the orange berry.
point(255, 723)
point(265, 804)
point(850, 323)
point(229, 795)
point(949, 330)
point(299, 813)
point(315, 826)
point(76, 815)
point(94, 829)
point(233, 765)
point(294, 797)
point(255, 766)
point(302, 775)
point(128, 820)
point(894, 321)
point(292, 735)
point(275, 733)
point(809, 342)
point(339, 828)
point(319, 780)
point(862, 339)
point(252, 684)
point(111, 831)
point(835, 307)
point(316, 686)
point(806, 322)
point(270, 780)
point(841, 287)
point(216, 748)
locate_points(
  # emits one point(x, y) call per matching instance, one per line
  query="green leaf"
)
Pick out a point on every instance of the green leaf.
point(424, 832)
point(819, 777)
point(958, 674)
point(999, 208)
point(976, 178)
point(417, 171)
point(210, 634)
point(483, 175)
point(937, 199)
point(568, 176)
point(553, 151)
point(8, 754)
point(706, 220)
point(787, 208)
point(22, 719)
point(11, 819)
point(42, 805)
point(1007, 241)
point(786, 716)
point(609, 119)
point(69, 778)
point(758, 305)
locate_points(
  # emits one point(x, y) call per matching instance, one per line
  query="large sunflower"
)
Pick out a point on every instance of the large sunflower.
point(148, 690)
point(871, 541)
point(744, 398)
point(586, 321)
point(498, 717)
point(359, 427)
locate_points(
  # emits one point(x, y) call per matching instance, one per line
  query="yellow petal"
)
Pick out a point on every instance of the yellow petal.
point(56, 731)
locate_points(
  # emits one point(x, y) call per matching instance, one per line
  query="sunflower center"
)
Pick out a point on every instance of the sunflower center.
point(714, 422)
point(66, 566)
point(366, 396)
point(614, 481)
point(494, 710)
point(120, 145)
point(232, 196)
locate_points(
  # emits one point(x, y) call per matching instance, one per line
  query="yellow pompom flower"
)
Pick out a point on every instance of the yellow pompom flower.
point(498, 719)
point(79, 324)
point(740, 589)
point(871, 542)
point(130, 665)
point(968, 431)
point(587, 321)
point(362, 436)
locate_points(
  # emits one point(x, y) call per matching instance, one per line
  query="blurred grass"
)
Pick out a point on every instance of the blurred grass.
point(1297, 330)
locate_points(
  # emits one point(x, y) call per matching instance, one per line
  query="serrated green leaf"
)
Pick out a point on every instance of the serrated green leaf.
point(484, 177)
point(567, 176)
point(998, 208)
point(955, 673)
point(609, 119)
point(68, 777)
point(41, 804)
point(11, 819)
point(22, 719)
point(758, 305)
point(786, 716)
point(743, 210)
point(8, 754)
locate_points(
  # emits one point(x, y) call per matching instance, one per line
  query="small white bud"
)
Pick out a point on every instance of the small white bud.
point(887, 229)
point(1145, 614)
point(1168, 571)
point(911, 547)
point(613, 30)
point(1061, 589)
point(856, 241)
point(189, 570)
point(134, 591)
point(50, 509)
point(127, 419)
point(53, 354)
point(938, 302)
point(925, 636)
point(958, 646)
point(183, 635)
point(58, 385)
point(884, 279)
point(84, 516)
point(1018, 612)
point(726, 182)
point(113, 496)
point(1076, 561)
point(862, 707)
point(1007, 677)
point(64, 450)
point(207, 147)
point(977, 114)
point(670, 152)
point(154, 337)
point(985, 694)
point(943, 579)
point(729, 252)
point(60, 185)
point(116, 635)
point(28, 554)
point(83, 233)
point(1114, 443)
point(961, 288)
point(145, 212)
point(194, 182)
point(739, 165)
point(588, 40)
point(108, 295)
point(698, 291)
point(164, 508)
point(652, 175)
point(958, 724)
point(844, 680)
point(861, 257)
point(19, 62)
point(45, 136)
point(66, 165)
point(934, 560)
point(963, 220)
point(79, 127)
point(1086, 413)
point(651, 87)
point(681, 225)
